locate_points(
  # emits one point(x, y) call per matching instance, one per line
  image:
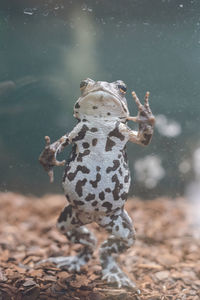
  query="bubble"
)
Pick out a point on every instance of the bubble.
point(169, 128)
point(149, 170)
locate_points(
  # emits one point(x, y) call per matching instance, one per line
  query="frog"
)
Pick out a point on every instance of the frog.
point(96, 178)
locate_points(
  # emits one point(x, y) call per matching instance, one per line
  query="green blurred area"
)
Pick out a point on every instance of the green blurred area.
point(48, 47)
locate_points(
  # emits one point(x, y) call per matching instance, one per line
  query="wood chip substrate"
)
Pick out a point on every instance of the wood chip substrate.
point(164, 262)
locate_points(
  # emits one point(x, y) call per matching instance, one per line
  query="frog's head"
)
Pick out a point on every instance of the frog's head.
point(101, 99)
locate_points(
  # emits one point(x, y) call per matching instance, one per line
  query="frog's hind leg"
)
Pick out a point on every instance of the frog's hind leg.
point(122, 237)
point(69, 224)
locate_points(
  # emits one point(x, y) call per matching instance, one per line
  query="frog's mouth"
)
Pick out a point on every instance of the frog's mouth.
point(101, 93)
point(104, 97)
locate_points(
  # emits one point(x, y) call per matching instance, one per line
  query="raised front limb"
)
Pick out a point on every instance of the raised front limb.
point(48, 156)
point(146, 122)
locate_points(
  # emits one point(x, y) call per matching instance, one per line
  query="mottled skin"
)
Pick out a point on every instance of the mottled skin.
point(96, 180)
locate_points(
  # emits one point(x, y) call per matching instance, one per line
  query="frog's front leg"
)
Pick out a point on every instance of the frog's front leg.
point(146, 122)
point(48, 156)
point(122, 237)
point(69, 224)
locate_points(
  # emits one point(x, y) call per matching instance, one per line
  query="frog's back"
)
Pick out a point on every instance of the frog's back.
point(97, 177)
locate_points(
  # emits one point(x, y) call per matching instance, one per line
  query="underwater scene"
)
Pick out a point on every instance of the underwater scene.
point(120, 80)
point(47, 49)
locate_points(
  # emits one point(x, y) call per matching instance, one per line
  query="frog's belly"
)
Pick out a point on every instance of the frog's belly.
point(97, 187)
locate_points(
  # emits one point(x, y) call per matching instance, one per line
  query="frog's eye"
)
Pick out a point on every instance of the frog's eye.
point(122, 88)
point(83, 84)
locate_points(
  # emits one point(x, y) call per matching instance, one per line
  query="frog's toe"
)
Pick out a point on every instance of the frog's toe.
point(118, 278)
point(112, 278)
point(69, 263)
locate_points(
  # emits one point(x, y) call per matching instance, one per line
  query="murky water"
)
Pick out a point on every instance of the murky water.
point(46, 49)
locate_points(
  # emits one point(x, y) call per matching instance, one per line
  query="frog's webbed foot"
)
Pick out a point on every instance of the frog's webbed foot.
point(145, 115)
point(48, 156)
point(113, 274)
point(69, 263)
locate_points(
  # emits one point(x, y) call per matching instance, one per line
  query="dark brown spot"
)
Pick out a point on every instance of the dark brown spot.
point(84, 120)
point(93, 129)
point(77, 105)
point(114, 217)
point(98, 168)
point(102, 195)
point(94, 142)
point(90, 197)
point(81, 134)
point(120, 171)
point(86, 145)
point(108, 205)
point(117, 228)
point(73, 153)
point(126, 178)
point(95, 182)
point(94, 203)
point(108, 190)
point(116, 188)
point(72, 158)
point(65, 143)
point(78, 202)
point(115, 132)
point(124, 196)
point(65, 172)
point(79, 185)
point(83, 169)
point(125, 225)
point(124, 153)
point(109, 144)
point(81, 155)
point(94, 107)
point(67, 212)
point(114, 167)
point(108, 113)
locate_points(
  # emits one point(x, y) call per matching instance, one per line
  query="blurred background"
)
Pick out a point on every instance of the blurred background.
point(48, 47)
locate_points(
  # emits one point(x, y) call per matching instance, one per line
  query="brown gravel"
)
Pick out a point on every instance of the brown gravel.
point(165, 261)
